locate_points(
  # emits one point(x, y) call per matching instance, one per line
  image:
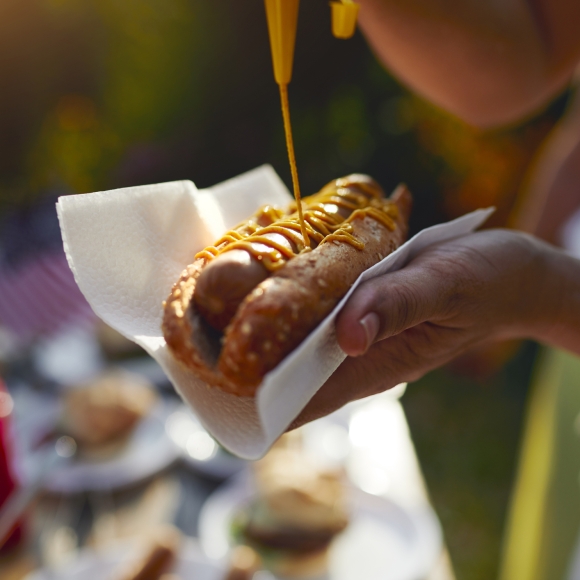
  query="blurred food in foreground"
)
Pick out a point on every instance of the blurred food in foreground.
point(101, 414)
point(298, 510)
point(158, 556)
point(244, 563)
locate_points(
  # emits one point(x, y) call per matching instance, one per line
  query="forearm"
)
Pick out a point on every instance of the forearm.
point(551, 194)
point(556, 315)
point(488, 62)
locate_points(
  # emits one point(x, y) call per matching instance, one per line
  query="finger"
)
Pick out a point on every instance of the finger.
point(403, 358)
point(389, 304)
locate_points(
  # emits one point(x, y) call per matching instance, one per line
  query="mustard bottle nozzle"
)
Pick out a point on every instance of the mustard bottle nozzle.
point(282, 18)
point(344, 16)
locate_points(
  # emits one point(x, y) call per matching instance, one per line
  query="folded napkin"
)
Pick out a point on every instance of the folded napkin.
point(127, 247)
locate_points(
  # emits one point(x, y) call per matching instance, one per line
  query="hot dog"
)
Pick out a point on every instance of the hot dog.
point(245, 303)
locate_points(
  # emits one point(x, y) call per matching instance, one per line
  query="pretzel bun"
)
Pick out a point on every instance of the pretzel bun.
point(246, 303)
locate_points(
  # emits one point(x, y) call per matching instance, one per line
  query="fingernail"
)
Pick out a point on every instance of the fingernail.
point(370, 323)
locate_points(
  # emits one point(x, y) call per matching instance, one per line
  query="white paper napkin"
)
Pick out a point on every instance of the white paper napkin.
point(127, 247)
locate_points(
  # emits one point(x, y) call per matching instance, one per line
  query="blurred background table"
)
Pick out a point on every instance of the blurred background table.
point(381, 461)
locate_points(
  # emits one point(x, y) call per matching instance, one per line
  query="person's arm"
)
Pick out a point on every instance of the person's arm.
point(489, 62)
point(491, 285)
point(551, 194)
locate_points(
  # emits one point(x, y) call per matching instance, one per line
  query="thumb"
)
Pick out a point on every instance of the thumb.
point(390, 304)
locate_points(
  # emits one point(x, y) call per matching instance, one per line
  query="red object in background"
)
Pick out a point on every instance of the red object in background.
point(7, 481)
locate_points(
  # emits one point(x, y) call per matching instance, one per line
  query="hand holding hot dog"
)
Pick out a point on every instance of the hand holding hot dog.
point(490, 285)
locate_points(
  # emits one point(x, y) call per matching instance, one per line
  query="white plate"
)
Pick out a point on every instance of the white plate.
point(148, 451)
point(383, 541)
point(192, 564)
point(198, 448)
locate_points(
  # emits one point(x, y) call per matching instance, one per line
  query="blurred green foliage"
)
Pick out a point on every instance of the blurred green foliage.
point(144, 76)
point(467, 434)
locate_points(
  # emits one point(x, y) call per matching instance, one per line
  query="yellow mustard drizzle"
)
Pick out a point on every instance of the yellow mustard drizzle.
point(321, 224)
point(272, 212)
point(242, 230)
point(292, 157)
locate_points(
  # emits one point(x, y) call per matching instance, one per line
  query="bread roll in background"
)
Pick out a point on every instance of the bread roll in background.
point(102, 413)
